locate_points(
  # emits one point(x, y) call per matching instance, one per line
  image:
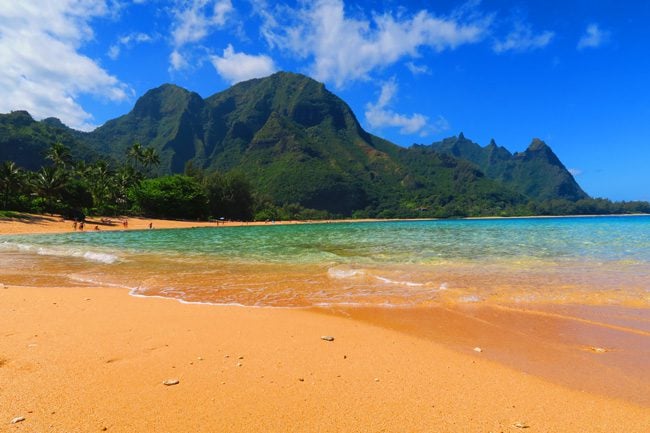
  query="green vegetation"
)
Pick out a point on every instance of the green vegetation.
point(536, 173)
point(174, 196)
point(281, 147)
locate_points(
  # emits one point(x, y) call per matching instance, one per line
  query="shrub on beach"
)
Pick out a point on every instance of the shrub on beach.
point(171, 197)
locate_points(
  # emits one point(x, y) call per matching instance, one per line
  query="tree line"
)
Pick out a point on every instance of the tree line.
point(77, 188)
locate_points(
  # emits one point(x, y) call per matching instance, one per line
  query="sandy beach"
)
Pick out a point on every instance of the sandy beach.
point(34, 224)
point(88, 359)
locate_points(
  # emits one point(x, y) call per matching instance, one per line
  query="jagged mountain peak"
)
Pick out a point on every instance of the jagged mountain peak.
point(537, 144)
point(536, 172)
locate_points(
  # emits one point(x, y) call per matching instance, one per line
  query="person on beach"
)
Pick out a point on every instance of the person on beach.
point(97, 228)
point(150, 226)
point(81, 226)
point(74, 225)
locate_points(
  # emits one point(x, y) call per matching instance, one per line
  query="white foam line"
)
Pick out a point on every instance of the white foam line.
point(133, 293)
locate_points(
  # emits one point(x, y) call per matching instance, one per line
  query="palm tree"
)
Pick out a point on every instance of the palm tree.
point(99, 177)
point(48, 183)
point(59, 154)
point(150, 157)
point(135, 154)
point(125, 178)
point(11, 178)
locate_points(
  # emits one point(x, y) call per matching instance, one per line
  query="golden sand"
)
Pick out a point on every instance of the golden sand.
point(94, 359)
point(33, 224)
point(84, 360)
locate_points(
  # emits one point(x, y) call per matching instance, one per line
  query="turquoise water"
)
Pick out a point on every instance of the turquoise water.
point(602, 260)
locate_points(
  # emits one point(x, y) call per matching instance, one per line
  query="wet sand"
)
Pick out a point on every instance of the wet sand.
point(602, 350)
point(94, 359)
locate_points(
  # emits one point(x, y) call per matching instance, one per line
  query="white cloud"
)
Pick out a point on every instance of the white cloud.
point(418, 69)
point(593, 37)
point(236, 67)
point(345, 48)
point(197, 18)
point(575, 171)
point(522, 39)
point(177, 61)
point(41, 67)
point(379, 115)
point(127, 41)
point(193, 21)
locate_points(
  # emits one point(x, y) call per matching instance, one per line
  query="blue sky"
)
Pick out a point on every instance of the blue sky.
point(573, 73)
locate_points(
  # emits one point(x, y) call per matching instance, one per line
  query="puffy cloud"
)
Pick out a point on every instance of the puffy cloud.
point(379, 115)
point(127, 42)
point(177, 61)
point(196, 19)
point(522, 39)
point(193, 21)
point(593, 37)
point(41, 67)
point(346, 48)
point(236, 67)
point(575, 171)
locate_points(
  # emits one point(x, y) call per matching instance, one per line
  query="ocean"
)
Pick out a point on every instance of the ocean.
point(573, 260)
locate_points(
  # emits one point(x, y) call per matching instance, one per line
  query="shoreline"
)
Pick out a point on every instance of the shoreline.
point(53, 224)
point(388, 369)
point(94, 359)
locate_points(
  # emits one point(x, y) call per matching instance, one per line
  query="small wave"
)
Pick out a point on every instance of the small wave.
point(92, 256)
point(343, 272)
point(401, 283)
point(100, 257)
point(469, 299)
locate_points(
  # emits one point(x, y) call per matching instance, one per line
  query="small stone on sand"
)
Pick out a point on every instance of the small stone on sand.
point(239, 364)
point(301, 379)
point(170, 382)
point(376, 379)
point(598, 349)
point(327, 338)
point(18, 419)
point(478, 349)
point(199, 358)
point(520, 424)
point(241, 357)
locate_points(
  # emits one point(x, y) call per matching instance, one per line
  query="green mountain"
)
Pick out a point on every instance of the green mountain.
point(298, 143)
point(26, 141)
point(536, 172)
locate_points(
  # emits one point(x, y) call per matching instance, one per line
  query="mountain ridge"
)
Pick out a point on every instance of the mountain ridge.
point(552, 179)
point(299, 143)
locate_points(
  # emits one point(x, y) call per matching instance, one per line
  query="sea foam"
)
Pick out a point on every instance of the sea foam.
point(92, 256)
